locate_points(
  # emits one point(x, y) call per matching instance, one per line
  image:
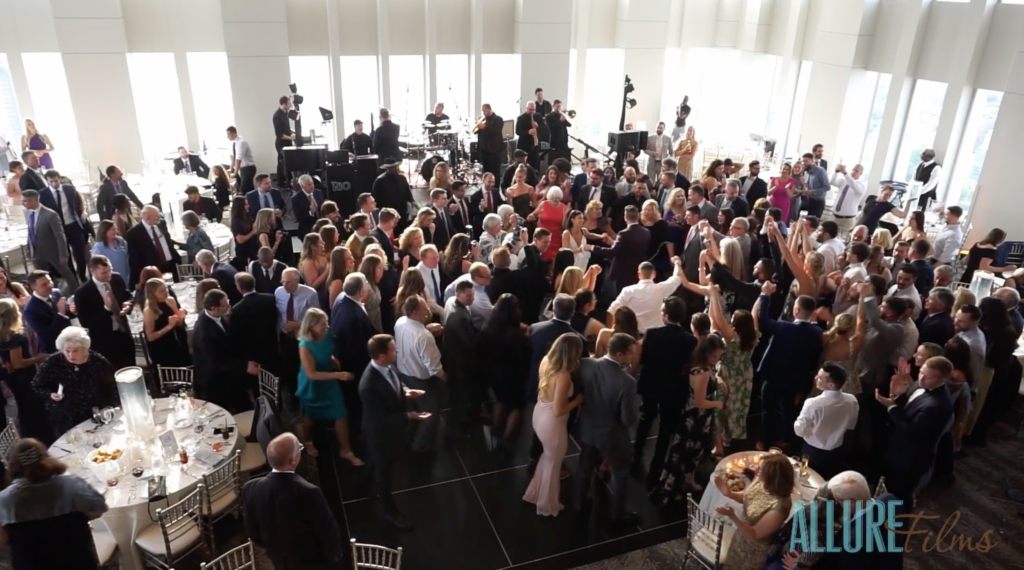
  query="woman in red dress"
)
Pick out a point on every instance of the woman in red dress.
point(550, 214)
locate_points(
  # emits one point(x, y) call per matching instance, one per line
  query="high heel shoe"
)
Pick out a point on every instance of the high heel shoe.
point(351, 458)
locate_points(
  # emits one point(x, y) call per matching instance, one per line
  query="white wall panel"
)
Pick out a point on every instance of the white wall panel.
point(86, 8)
point(259, 39)
point(27, 27)
point(357, 20)
point(107, 127)
point(602, 24)
point(407, 33)
point(256, 84)
point(883, 48)
point(91, 35)
point(307, 27)
point(1005, 39)
point(943, 37)
point(253, 10)
point(453, 21)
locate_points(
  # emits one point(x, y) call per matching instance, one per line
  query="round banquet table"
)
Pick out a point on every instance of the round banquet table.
point(130, 511)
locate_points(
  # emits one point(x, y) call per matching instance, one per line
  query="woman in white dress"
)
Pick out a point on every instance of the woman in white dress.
point(575, 237)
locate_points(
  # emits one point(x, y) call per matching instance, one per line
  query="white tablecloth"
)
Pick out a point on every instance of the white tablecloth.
point(12, 237)
point(130, 511)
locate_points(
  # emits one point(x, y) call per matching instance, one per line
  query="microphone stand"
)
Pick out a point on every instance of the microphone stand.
point(588, 148)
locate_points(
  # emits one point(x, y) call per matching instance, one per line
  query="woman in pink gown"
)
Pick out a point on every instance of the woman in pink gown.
point(550, 214)
point(780, 191)
point(551, 414)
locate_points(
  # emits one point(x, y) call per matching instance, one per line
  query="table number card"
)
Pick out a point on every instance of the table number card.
point(169, 444)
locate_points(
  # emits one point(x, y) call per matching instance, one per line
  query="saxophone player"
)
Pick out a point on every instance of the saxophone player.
point(528, 133)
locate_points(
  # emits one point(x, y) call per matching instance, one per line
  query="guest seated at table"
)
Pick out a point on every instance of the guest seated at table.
point(197, 238)
point(113, 247)
point(201, 205)
point(74, 380)
point(40, 504)
point(767, 502)
point(164, 324)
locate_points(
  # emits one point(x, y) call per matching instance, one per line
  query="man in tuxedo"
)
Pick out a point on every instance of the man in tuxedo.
point(596, 190)
point(604, 425)
point(149, 243)
point(112, 186)
point(664, 385)
point(47, 245)
point(385, 420)
point(444, 226)
point(920, 413)
point(265, 197)
point(732, 200)
point(101, 305)
point(359, 143)
point(266, 271)
point(391, 190)
point(519, 157)
point(385, 140)
point(558, 131)
point(352, 329)
point(533, 272)
point(489, 139)
point(32, 178)
point(46, 313)
point(221, 374)
point(67, 203)
point(289, 517)
point(189, 163)
point(580, 180)
point(306, 204)
point(788, 364)
point(388, 221)
point(752, 187)
point(459, 349)
point(254, 320)
point(658, 147)
point(201, 205)
point(527, 130)
point(626, 252)
point(224, 273)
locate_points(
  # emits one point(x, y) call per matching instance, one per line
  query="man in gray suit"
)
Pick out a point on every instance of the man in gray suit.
point(659, 147)
point(47, 244)
point(609, 412)
point(708, 211)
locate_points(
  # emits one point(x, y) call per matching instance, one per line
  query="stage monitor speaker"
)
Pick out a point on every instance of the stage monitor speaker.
point(627, 141)
point(366, 172)
point(341, 189)
point(337, 156)
point(304, 159)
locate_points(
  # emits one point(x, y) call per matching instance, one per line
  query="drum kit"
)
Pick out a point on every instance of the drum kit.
point(445, 141)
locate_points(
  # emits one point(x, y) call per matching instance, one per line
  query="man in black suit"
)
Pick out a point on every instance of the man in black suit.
point(358, 142)
point(936, 323)
point(385, 140)
point(267, 271)
point(67, 203)
point(527, 131)
point(283, 135)
point(533, 274)
point(201, 205)
point(391, 190)
point(306, 205)
point(388, 221)
point(461, 210)
point(190, 164)
point(352, 329)
point(368, 205)
point(254, 322)
point(752, 187)
point(32, 178)
point(627, 251)
point(459, 358)
point(488, 199)
point(664, 385)
point(101, 305)
point(558, 129)
point(605, 422)
point(732, 200)
point(385, 420)
point(596, 190)
point(289, 517)
point(444, 226)
point(224, 273)
point(503, 279)
point(46, 312)
point(490, 141)
point(920, 413)
point(112, 186)
point(149, 243)
point(221, 374)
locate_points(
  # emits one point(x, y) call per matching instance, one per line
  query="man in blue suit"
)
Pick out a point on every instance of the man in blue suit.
point(788, 366)
point(352, 331)
point(46, 312)
point(64, 199)
point(265, 197)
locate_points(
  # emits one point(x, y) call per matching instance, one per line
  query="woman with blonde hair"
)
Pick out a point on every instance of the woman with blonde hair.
point(40, 143)
point(598, 227)
point(520, 194)
point(573, 279)
point(409, 244)
point(16, 353)
point(883, 237)
point(875, 263)
point(164, 324)
point(809, 276)
point(551, 415)
point(767, 501)
point(441, 177)
point(425, 218)
point(342, 263)
point(962, 296)
point(372, 267)
point(318, 387)
point(685, 152)
point(264, 228)
point(313, 265)
point(842, 344)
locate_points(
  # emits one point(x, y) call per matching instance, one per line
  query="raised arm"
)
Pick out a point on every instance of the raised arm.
point(718, 320)
point(805, 282)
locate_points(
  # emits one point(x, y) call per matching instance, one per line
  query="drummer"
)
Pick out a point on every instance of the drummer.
point(358, 142)
point(436, 118)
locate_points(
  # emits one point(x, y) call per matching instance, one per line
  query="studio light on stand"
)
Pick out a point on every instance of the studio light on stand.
point(295, 113)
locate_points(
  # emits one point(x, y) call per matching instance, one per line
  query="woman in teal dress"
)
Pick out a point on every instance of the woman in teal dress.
point(318, 389)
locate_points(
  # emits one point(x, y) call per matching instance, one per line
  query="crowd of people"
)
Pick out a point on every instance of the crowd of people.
point(592, 303)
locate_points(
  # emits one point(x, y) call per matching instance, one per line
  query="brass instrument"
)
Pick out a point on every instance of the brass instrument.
point(571, 114)
point(476, 126)
point(536, 140)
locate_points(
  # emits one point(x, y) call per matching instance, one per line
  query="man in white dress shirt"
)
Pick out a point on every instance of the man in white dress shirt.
point(851, 192)
point(825, 419)
point(947, 243)
point(430, 268)
point(480, 275)
point(242, 162)
point(420, 360)
point(855, 257)
point(927, 173)
point(645, 298)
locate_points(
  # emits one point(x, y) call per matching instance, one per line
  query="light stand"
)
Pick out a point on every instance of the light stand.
point(295, 114)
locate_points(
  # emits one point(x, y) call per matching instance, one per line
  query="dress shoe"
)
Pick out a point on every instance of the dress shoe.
point(398, 520)
point(628, 520)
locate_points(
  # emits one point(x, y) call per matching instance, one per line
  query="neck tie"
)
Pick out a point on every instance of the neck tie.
point(689, 236)
point(266, 200)
point(290, 311)
point(188, 166)
point(396, 384)
point(266, 272)
point(60, 206)
point(312, 204)
point(159, 247)
point(462, 211)
point(32, 228)
point(842, 196)
point(117, 188)
point(437, 289)
point(594, 191)
point(488, 203)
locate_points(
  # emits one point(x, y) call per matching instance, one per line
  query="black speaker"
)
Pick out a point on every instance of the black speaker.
point(341, 187)
point(304, 159)
point(624, 141)
point(366, 172)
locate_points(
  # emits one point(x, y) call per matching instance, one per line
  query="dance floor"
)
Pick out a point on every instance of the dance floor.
point(466, 502)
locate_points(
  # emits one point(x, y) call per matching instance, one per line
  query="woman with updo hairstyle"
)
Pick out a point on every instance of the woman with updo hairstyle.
point(86, 376)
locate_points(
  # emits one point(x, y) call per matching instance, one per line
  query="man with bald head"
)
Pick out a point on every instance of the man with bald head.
point(149, 243)
point(289, 516)
point(851, 192)
point(527, 131)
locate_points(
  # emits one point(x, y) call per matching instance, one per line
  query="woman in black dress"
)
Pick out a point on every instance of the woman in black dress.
point(982, 255)
point(86, 376)
point(244, 230)
point(41, 506)
point(164, 324)
point(660, 249)
point(692, 442)
point(19, 367)
point(221, 185)
point(504, 345)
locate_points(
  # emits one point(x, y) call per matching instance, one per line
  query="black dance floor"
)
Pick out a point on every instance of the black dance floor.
point(466, 502)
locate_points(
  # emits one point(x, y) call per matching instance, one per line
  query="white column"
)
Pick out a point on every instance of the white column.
point(641, 30)
point(188, 108)
point(580, 41)
point(341, 122)
point(543, 29)
point(476, 50)
point(998, 202)
point(91, 36)
point(256, 41)
point(384, 52)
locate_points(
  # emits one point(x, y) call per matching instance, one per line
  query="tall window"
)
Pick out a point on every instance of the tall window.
point(408, 100)
point(867, 156)
point(501, 82)
point(602, 81)
point(157, 105)
point(360, 90)
point(48, 87)
point(778, 109)
point(973, 147)
point(671, 89)
point(570, 96)
point(211, 97)
point(311, 74)
point(452, 87)
point(10, 118)
point(797, 118)
point(922, 123)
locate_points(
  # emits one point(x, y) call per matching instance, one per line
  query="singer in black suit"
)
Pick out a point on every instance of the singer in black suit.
point(385, 139)
point(489, 140)
point(664, 386)
point(288, 516)
point(105, 317)
point(627, 251)
point(528, 129)
point(254, 321)
point(190, 163)
point(920, 412)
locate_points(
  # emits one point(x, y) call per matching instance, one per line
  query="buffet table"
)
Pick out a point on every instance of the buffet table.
point(126, 493)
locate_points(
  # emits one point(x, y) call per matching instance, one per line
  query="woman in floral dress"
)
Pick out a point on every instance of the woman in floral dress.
point(735, 369)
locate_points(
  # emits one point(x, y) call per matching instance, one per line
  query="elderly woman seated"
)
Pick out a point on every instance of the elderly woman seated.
point(74, 380)
point(197, 238)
